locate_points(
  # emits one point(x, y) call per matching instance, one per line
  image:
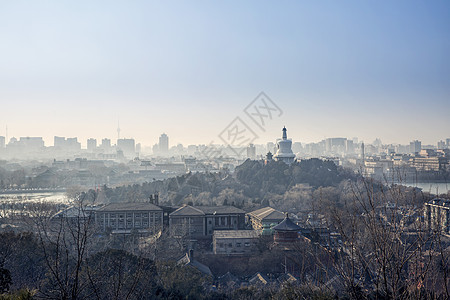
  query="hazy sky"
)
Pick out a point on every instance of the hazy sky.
point(188, 68)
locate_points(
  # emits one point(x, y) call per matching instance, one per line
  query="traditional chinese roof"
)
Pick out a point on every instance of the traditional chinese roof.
point(267, 214)
point(288, 278)
point(287, 225)
point(258, 279)
point(228, 277)
point(187, 261)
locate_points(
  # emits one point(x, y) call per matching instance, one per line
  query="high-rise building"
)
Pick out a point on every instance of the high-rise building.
point(336, 145)
point(127, 146)
point(271, 147)
point(415, 147)
point(59, 142)
point(251, 151)
point(349, 147)
point(297, 147)
point(69, 144)
point(73, 144)
point(91, 144)
point(441, 145)
point(163, 144)
point(138, 148)
point(106, 144)
point(363, 153)
point(2, 142)
point(32, 142)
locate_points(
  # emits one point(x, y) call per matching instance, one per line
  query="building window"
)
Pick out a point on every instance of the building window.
point(230, 245)
point(247, 244)
point(238, 244)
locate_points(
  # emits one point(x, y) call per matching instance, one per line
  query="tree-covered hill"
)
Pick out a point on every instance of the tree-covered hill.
point(277, 177)
point(252, 182)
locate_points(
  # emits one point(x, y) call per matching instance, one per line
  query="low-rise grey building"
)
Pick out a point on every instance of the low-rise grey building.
point(124, 217)
point(235, 242)
point(201, 221)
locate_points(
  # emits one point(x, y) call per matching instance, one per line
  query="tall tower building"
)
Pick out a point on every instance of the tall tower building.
point(251, 151)
point(127, 146)
point(363, 155)
point(284, 152)
point(91, 144)
point(415, 147)
point(163, 144)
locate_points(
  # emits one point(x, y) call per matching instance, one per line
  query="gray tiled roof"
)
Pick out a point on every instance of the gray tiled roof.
point(267, 213)
point(287, 225)
point(232, 234)
point(130, 206)
point(210, 210)
point(185, 260)
point(188, 210)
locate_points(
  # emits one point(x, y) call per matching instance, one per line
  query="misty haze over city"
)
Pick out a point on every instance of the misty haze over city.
point(224, 150)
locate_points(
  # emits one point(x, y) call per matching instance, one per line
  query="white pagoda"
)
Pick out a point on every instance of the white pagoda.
point(284, 152)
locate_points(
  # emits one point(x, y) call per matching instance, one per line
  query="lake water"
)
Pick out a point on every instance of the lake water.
point(58, 197)
point(432, 187)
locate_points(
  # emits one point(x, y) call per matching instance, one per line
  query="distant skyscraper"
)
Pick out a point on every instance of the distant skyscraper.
point(91, 144)
point(127, 146)
point(297, 147)
point(69, 144)
point(251, 151)
point(441, 145)
point(448, 142)
point(271, 147)
point(32, 142)
point(163, 144)
point(363, 154)
point(415, 147)
point(349, 147)
point(2, 142)
point(59, 142)
point(335, 144)
point(73, 144)
point(106, 144)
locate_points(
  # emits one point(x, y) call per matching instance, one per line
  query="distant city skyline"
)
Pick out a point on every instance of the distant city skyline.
point(97, 141)
point(336, 69)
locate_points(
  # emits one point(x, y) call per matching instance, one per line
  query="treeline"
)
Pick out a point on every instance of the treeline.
point(31, 269)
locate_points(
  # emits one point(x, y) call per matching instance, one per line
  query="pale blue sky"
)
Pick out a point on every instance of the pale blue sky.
point(188, 68)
